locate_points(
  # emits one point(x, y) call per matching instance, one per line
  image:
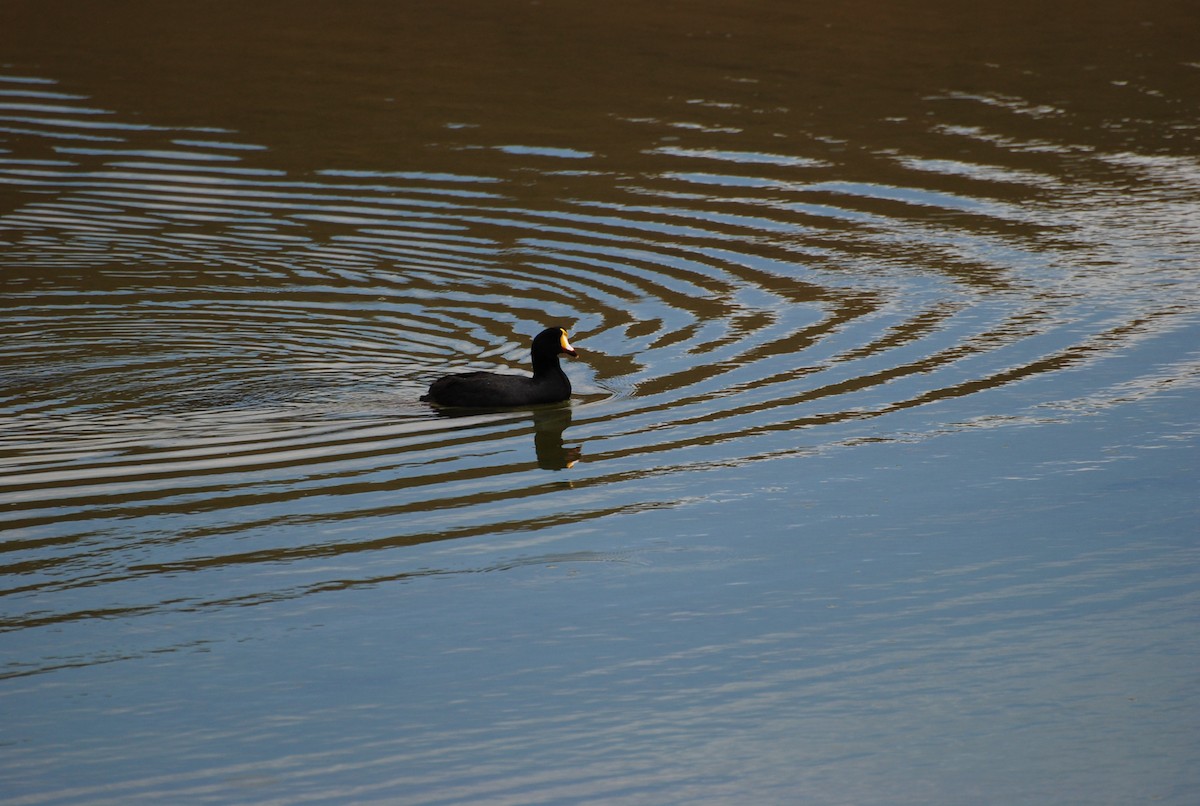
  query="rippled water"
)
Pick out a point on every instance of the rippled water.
point(877, 484)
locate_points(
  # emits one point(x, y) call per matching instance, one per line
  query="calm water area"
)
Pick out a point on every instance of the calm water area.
point(879, 483)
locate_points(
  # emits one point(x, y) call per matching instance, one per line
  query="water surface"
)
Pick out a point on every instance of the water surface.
point(879, 480)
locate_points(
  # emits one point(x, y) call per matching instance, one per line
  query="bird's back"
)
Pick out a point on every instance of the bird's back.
point(490, 389)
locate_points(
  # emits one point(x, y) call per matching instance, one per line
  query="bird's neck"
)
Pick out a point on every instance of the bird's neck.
point(546, 365)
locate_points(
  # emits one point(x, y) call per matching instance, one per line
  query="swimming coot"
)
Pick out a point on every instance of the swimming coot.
point(549, 383)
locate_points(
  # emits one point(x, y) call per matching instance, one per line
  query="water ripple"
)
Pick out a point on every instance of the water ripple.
point(188, 330)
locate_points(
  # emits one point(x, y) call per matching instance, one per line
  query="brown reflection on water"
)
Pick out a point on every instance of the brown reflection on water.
point(345, 83)
point(661, 152)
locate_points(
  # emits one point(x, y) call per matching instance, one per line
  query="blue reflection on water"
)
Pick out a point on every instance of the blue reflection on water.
point(1005, 610)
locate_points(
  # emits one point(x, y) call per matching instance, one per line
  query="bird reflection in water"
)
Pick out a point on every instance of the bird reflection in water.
point(549, 423)
point(548, 427)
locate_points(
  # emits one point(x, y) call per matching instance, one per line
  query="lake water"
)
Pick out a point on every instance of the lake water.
point(879, 483)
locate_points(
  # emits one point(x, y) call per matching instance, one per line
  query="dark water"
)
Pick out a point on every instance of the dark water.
point(879, 484)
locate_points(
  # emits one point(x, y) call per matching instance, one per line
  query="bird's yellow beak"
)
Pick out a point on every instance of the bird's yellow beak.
point(566, 345)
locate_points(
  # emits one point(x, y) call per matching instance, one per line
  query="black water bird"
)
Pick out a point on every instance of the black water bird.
point(549, 383)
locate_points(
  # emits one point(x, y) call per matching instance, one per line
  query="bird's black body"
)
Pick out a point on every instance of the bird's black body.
point(549, 383)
